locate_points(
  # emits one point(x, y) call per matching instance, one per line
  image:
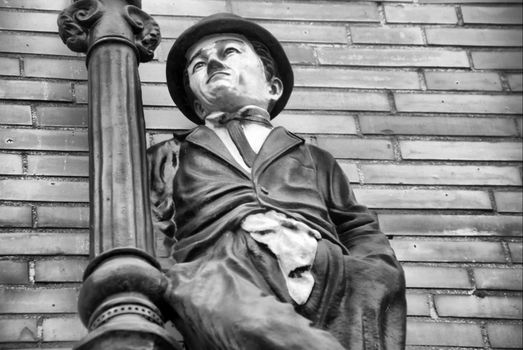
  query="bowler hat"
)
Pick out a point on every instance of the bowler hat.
point(217, 24)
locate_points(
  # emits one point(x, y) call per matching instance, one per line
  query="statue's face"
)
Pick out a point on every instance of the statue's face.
point(225, 74)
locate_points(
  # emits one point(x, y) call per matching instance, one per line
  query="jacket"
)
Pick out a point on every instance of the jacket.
point(212, 193)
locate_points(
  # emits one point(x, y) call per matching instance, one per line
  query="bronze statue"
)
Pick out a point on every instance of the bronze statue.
point(271, 249)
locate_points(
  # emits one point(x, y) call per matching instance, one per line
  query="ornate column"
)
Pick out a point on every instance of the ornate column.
point(121, 298)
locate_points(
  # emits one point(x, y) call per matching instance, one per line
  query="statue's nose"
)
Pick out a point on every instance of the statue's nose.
point(214, 64)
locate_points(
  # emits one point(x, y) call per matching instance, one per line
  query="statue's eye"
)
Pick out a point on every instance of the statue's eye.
point(198, 65)
point(230, 50)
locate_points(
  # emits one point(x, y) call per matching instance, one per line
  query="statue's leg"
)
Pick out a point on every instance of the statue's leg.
point(224, 302)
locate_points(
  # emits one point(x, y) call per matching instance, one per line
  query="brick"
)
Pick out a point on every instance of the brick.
point(60, 216)
point(166, 119)
point(295, 32)
point(350, 170)
point(423, 199)
point(46, 191)
point(43, 243)
point(463, 1)
point(491, 15)
point(63, 329)
point(461, 150)
point(436, 125)
point(184, 7)
point(28, 21)
point(436, 277)
point(162, 50)
point(9, 66)
point(443, 334)
point(36, 44)
point(420, 14)
point(53, 68)
point(392, 57)
point(343, 147)
point(450, 225)
point(15, 216)
point(497, 60)
point(62, 116)
point(462, 103)
point(172, 27)
point(509, 202)
point(307, 11)
point(11, 164)
point(354, 78)
point(473, 306)
point(153, 95)
point(35, 90)
point(498, 278)
point(505, 335)
point(474, 37)
point(15, 114)
point(386, 35)
point(40, 140)
point(152, 72)
point(516, 252)
point(481, 175)
point(462, 81)
point(54, 270)
point(338, 100)
point(310, 33)
point(14, 272)
point(317, 123)
point(63, 165)
point(24, 300)
point(300, 54)
point(417, 305)
point(515, 81)
point(18, 330)
point(36, 4)
point(445, 251)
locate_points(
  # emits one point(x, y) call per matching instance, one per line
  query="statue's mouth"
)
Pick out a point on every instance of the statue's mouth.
point(217, 74)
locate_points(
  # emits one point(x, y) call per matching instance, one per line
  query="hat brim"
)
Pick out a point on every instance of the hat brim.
point(218, 24)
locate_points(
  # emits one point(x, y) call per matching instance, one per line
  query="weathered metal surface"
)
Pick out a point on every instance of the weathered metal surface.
point(120, 300)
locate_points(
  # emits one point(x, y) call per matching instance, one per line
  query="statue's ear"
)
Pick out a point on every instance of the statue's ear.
point(276, 89)
point(199, 110)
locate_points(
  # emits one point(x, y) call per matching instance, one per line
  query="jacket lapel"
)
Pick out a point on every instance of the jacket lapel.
point(277, 143)
point(204, 137)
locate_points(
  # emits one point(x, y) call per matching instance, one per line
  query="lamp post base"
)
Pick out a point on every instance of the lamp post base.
point(132, 334)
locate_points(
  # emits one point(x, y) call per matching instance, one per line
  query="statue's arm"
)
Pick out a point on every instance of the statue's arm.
point(162, 162)
point(378, 303)
point(356, 226)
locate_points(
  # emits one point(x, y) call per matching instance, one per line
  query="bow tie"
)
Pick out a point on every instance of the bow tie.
point(232, 121)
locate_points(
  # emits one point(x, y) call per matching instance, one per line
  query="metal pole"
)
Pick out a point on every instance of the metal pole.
point(121, 297)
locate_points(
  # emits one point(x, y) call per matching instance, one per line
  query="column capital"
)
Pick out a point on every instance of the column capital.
point(87, 23)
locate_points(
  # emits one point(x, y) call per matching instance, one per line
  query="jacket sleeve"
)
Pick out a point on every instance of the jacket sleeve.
point(162, 162)
point(377, 302)
point(357, 228)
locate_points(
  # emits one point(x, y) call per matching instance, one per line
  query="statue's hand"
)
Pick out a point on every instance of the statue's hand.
point(162, 160)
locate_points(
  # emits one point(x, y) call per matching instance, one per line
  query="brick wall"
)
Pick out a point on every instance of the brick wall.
point(419, 100)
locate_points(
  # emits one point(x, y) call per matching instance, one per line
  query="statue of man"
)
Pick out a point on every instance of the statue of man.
point(272, 250)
